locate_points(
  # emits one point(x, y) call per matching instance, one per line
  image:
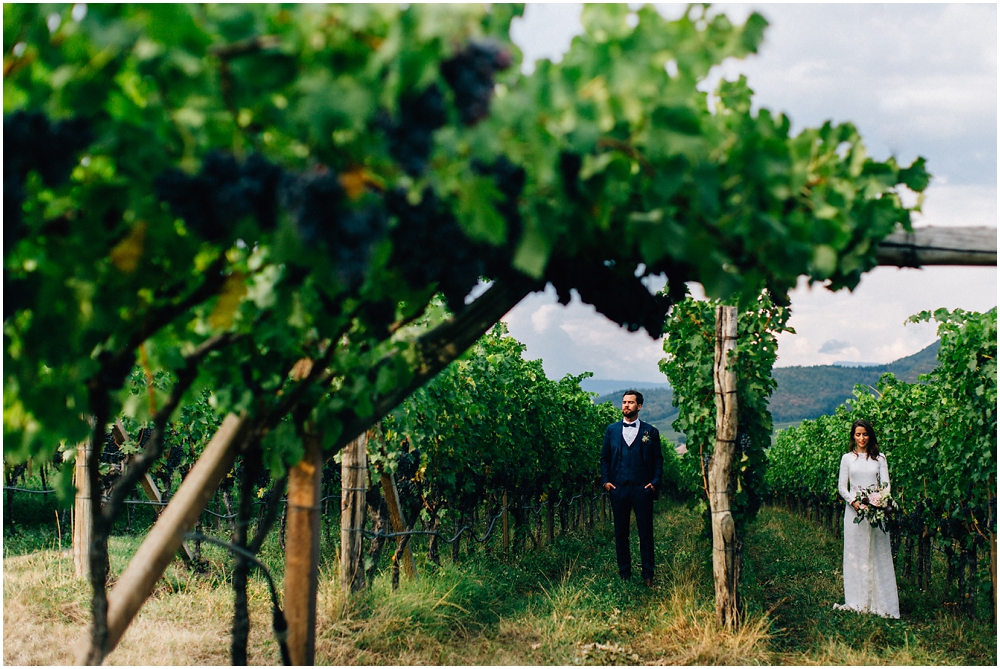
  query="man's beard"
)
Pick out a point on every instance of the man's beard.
point(630, 416)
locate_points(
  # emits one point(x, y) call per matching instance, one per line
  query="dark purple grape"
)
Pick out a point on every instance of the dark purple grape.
point(470, 74)
point(411, 138)
point(223, 192)
point(32, 142)
point(569, 170)
point(174, 458)
point(621, 296)
point(322, 213)
point(430, 247)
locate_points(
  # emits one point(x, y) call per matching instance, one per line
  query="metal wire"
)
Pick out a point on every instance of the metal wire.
point(279, 625)
point(368, 534)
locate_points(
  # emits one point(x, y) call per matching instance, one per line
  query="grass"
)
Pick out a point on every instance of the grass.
point(562, 604)
point(792, 568)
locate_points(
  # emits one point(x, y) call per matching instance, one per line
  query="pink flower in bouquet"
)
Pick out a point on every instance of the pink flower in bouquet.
point(875, 499)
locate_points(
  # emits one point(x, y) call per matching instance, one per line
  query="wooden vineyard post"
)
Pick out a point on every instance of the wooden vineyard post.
point(83, 520)
point(550, 518)
point(725, 558)
point(139, 579)
point(302, 551)
point(993, 546)
point(396, 521)
point(506, 525)
point(354, 479)
point(149, 487)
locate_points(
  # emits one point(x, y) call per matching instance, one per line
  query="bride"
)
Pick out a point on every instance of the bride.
point(869, 577)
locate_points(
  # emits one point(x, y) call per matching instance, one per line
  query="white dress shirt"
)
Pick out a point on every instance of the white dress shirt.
point(630, 431)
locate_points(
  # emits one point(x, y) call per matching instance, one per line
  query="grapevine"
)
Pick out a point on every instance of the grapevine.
point(939, 436)
point(690, 343)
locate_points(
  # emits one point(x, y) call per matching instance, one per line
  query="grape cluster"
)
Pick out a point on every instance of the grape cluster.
point(411, 139)
point(111, 454)
point(429, 245)
point(621, 296)
point(32, 142)
point(408, 462)
point(470, 74)
point(510, 180)
point(174, 458)
point(113, 460)
point(569, 169)
point(322, 213)
point(223, 192)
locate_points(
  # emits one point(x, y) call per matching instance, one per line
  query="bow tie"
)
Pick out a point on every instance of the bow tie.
point(624, 424)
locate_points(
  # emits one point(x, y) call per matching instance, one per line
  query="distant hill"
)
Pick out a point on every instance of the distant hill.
point(803, 392)
point(809, 392)
point(605, 386)
point(656, 408)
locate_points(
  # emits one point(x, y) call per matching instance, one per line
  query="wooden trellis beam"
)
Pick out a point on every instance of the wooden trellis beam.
point(939, 246)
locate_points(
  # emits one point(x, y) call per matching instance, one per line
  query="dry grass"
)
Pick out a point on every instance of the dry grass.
point(559, 606)
point(186, 621)
point(684, 631)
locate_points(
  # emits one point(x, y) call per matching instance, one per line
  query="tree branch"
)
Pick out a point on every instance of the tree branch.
point(115, 366)
point(439, 347)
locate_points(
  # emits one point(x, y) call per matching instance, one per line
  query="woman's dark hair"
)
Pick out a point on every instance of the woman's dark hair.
point(873, 451)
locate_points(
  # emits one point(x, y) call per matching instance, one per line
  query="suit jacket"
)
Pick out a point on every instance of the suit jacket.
point(648, 441)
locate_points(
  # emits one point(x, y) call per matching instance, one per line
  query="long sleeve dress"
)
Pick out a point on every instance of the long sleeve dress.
point(869, 576)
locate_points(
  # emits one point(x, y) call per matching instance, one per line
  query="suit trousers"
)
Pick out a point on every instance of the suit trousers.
point(625, 499)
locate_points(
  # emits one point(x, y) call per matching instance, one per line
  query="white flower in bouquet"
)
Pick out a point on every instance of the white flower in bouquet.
point(876, 505)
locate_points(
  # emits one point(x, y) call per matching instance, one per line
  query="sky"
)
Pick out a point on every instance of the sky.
point(915, 80)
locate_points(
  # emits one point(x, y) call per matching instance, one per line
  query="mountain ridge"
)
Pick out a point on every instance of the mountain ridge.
point(803, 392)
point(606, 386)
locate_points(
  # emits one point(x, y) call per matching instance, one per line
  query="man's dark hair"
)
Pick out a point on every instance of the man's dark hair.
point(638, 395)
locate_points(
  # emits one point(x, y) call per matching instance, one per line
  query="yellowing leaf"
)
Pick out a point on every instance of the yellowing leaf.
point(126, 253)
point(355, 180)
point(301, 369)
point(229, 299)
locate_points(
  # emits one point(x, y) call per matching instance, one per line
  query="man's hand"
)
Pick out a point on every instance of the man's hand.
point(609, 487)
point(649, 486)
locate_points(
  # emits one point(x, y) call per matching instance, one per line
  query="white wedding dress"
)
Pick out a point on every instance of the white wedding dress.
point(869, 576)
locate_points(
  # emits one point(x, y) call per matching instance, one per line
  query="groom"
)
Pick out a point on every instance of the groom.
point(631, 469)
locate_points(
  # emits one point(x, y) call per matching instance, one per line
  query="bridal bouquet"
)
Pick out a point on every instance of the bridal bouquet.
point(878, 506)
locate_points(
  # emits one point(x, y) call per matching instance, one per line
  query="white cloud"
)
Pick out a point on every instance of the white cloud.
point(545, 31)
point(962, 205)
point(575, 338)
point(873, 317)
point(914, 79)
point(541, 320)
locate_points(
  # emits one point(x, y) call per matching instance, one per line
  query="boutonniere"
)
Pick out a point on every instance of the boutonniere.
point(645, 438)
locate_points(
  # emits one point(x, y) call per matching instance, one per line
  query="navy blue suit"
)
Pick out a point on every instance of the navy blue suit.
point(629, 471)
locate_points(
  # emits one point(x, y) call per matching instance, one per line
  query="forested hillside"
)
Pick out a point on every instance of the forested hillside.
point(612, 386)
point(808, 392)
point(657, 407)
point(803, 392)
